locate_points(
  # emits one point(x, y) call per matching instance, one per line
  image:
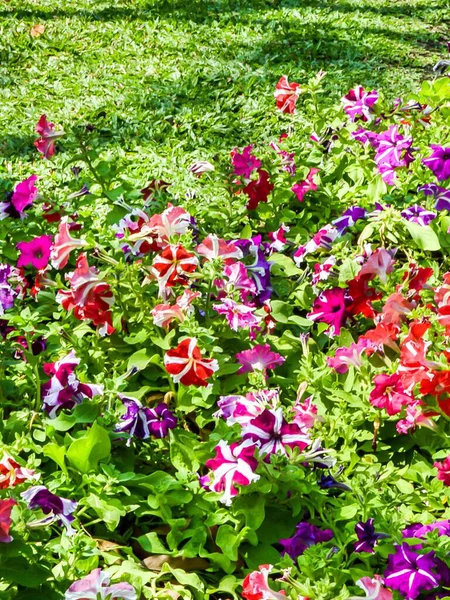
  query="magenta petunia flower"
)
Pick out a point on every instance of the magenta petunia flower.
point(438, 162)
point(259, 358)
point(46, 143)
point(35, 252)
point(21, 198)
point(244, 163)
point(348, 355)
point(238, 316)
point(358, 103)
point(411, 573)
point(331, 307)
point(389, 393)
point(307, 185)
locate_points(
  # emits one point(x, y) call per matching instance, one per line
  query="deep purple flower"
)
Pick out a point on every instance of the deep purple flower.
point(306, 535)
point(441, 195)
point(35, 252)
point(142, 422)
point(331, 307)
point(259, 270)
point(7, 294)
point(349, 218)
point(64, 390)
point(21, 198)
point(418, 530)
point(274, 434)
point(327, 482)
point(259, 358)
point(438, 162)
point(410, 572)
point(418, 215)
point(367, 538)
point(58, 509)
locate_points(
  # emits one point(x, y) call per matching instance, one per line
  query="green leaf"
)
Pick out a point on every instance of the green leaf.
point(22, 572)
point(281, 311)
point(85, 452)
point(57, 454)
point(110, 510)
point(150, 542)
point(140, 359)
point(425, 237)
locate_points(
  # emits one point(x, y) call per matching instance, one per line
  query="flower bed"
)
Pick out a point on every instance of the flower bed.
point(242, 394)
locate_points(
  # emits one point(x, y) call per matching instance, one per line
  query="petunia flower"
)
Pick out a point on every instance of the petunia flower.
point(239, 316)
point(201, 166)
point(244, 163)
point(367, 538)
point(142, 422)
point(186, 365)
point(438, 162)
point(379, 263)
point(410, 572)
point(358, 103)
point(35, 253)
point(348, 355)
point(331, 307)
point(46, 143)
point(6, 520)
point(172, 267)
point(259, 358)
point(58, 509)
point(233, 465)
point(286, 95)
point(64, 390)
point(259, 269)
point(20, 199)
point(7, 293)
point(12, 474)
point(214, 247)
point(241, 409)
point(256, 586)
point(305, 536)
point(419, 215)
point(63, 245)
point(324, 239)
point(164, 314)
point(96, 586)
point(307, 185)
point(414, 418)
point(349, 218)
point(274, 434)
point(258, 189)
point(389, 393)
point(374, 589)
point(443, 470)
point(418, 530)
point(441, 195)
point(278, 238)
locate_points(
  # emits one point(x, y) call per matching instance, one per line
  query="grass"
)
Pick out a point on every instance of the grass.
point(165, 82)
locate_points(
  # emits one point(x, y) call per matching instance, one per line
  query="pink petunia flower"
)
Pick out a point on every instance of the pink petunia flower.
point(259, 358)
point(46, 143)
point(5, 520)
point(307, 185)
point(164, 314)
point(256, 586)
point(443, 470)
point(233, 465)
point(414, 418)
point(286, 95)
point(214, 247)
point(96, 586)
point(331, 307)
point(348, 355)
point(20, 199)
point(379, 263)
point(278, 238)
point(389, 393)
point(63, 245)
point(244, 163)
point(239, 316)
point(35, 252)
point(374, 589)
point(359, 104)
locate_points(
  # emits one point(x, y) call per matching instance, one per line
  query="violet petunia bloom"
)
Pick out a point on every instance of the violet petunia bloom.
point(419, 215)
point(142, 422)
point(410, 572)
point(324, 238)
point(306, 535)
point(95, 586)
point(259, 270)
point(64, 390)
point(7, 294)
point(274, 434)
point(331, 307)
point(367, 538)
point(242, 409)
point(418, 530)
point(438, 162)
point(441, 195)
point(328, 482)
point(244, 163)
point(358, 103)
point(349, 218)
point(259, 358)
point(393, 148)
point(21, 198)
point(238, 316)
point(57, 509)
point(35, 253)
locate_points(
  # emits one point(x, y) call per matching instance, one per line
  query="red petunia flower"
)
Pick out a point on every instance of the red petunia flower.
point(258, 190)
point(186, 365)
point(286, 95)
point(172, 267)
point(46, 144)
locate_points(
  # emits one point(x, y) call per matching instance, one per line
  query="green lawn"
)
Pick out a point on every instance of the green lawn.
point(177, 80)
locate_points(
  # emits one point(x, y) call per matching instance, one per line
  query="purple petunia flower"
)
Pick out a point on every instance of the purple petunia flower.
point(418, 530)
point(367, 538)
point(419, 215)
point(328, 482)
point(349, 218)
point(440, 194)
point(58, 509)
point(358, 103)
point(259, 358)
point(142, 422)
point(306, 535)
point(410, 572)
point(7, 294)
point(259, 270)
point(244, 163)
point(438, 162)
point(21, 198)
point(393, 148)
point(35, 252)
point(331, 307)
